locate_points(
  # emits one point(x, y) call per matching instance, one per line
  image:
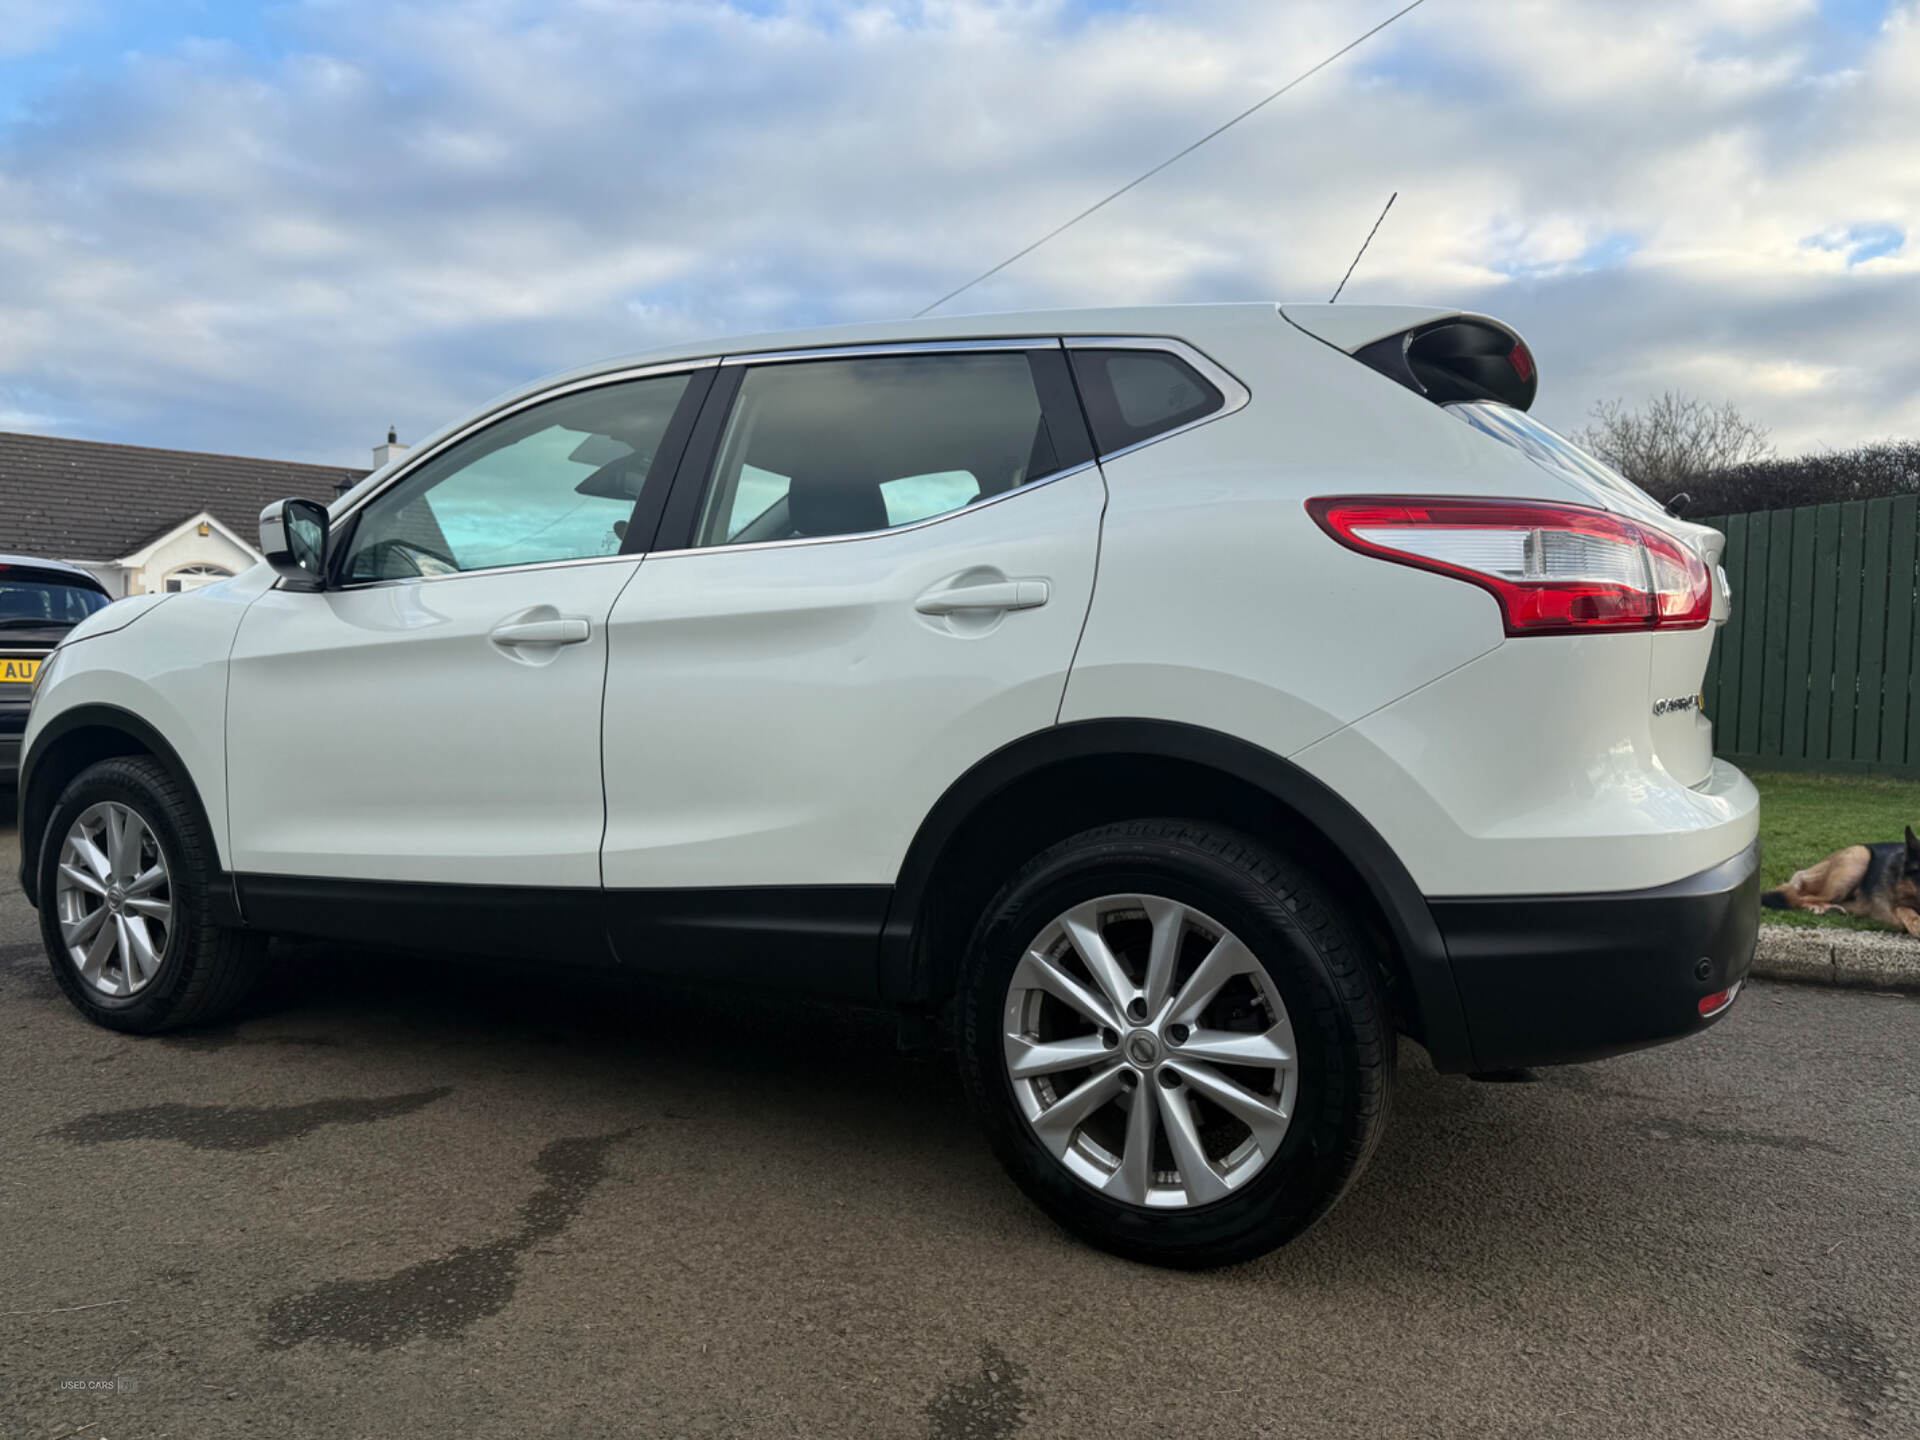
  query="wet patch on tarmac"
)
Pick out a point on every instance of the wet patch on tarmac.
point(225, 1037)
point(12, 956)
point(1845, 1351)
point(1668, 1129)
point(440, 1298)
point(989, 1405)
point(237, 1127)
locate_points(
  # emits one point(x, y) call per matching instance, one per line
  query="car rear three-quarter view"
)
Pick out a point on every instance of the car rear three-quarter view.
point(1173, 706)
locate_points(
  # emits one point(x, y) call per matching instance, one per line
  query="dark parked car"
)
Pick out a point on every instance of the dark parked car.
point(40, 601)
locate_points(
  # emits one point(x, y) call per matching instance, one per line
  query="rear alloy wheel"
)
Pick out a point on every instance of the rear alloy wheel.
point(1153, 1094)
point(127, 884)
point(1177, 1048)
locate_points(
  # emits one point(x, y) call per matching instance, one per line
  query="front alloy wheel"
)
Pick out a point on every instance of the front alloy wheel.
point(130, 891)
point(114, 899)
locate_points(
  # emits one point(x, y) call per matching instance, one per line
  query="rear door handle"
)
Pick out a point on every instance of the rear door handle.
point(999, 595)
point(564, 630)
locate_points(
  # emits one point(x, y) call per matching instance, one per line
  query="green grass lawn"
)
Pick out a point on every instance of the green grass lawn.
point(1804, 818)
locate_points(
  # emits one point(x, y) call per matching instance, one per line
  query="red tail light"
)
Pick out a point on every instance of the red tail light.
point(1555, 569)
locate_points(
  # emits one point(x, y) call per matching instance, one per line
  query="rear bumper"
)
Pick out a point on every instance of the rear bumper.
point(1553, 979)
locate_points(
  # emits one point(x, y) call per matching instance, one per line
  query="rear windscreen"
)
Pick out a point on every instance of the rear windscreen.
point(1553, 452)
point(28, 599)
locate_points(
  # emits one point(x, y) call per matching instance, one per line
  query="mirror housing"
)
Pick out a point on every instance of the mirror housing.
point(293, 538)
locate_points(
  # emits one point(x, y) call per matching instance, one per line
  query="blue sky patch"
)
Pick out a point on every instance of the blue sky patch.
point(1612, 249)
point(1862, 17)
point(1861, 242)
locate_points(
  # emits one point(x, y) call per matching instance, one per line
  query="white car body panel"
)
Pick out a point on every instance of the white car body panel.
point(1349, 327)
point(782, 714)
point(1280, 636)
point(1394, 686)
point(1524, 773)
point(173, 675)
point(377, 732)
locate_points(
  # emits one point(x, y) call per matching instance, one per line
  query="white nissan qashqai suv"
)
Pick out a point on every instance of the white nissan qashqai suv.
point(1178, 702)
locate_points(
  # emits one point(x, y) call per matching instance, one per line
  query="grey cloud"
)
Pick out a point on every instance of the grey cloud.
point(421, 206)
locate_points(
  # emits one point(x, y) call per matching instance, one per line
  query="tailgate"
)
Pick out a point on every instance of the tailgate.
point(1682, 733)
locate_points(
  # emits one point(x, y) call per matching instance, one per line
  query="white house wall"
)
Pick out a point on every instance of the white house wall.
point(175, 552)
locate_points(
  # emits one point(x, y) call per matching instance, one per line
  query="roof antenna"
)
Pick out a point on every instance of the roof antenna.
point(1363, 245)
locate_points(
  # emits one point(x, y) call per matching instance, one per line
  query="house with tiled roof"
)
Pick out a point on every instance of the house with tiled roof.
point(146, 520)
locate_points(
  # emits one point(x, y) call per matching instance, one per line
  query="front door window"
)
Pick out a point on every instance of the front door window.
point(557, 481)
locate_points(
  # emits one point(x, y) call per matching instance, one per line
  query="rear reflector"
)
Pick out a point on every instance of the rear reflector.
point(1555, 569)
point(1720, 999)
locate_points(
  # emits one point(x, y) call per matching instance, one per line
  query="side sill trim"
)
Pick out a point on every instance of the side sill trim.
point(509, 922)
point(820, 940)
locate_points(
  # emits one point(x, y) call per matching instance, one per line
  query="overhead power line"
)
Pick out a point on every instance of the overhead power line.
point(1171, 159)
point(1363, 246)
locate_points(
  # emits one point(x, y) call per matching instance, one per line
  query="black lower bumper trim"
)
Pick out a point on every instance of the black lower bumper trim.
point(1554, 979)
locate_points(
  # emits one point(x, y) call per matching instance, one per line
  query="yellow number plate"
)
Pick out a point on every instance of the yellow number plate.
point(20, 672)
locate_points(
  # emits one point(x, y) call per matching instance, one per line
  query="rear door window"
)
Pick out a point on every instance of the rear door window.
point(849, 446)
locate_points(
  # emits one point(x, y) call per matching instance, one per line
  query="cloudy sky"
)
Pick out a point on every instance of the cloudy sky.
point(275, 229)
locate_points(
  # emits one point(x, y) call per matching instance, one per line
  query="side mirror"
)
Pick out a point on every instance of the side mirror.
point(293, 537)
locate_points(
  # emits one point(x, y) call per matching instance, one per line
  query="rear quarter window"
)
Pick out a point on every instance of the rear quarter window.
point(1135, 395)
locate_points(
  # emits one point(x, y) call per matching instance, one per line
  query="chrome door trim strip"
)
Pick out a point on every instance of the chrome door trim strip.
point(344, 586)
point(943, 516)
point(882, 348)
point(1236, 396)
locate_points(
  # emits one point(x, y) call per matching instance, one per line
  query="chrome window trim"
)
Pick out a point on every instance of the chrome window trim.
point(899, 347)
point(635, 558)
point(1235, 396)
point(414, 462)
point(941, 518)
point(1233, 393)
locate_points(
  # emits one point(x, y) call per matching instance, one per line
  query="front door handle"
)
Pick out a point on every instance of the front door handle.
point(562, 630)
point(998, 595)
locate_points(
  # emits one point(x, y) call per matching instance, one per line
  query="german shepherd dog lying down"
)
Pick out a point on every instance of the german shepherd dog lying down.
point(1875, 882)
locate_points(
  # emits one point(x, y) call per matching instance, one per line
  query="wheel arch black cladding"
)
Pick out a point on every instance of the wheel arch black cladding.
point(69, 743)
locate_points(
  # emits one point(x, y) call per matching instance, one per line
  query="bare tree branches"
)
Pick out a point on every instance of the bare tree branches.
point(1674, 442)
point(1725, 463)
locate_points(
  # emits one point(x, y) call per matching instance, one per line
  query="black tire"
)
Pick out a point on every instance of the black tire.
point(205, 970)
point(1332, 990)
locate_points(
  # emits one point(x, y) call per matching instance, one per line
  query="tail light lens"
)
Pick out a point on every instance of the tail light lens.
point(1555, 569)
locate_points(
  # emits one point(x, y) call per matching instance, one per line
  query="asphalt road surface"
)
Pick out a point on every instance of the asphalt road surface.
point(405, 1198)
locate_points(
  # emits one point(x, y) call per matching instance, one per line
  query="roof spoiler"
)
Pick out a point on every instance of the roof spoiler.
point(1445, 355)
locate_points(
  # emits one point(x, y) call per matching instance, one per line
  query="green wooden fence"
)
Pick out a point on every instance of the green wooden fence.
point(1819, 669)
